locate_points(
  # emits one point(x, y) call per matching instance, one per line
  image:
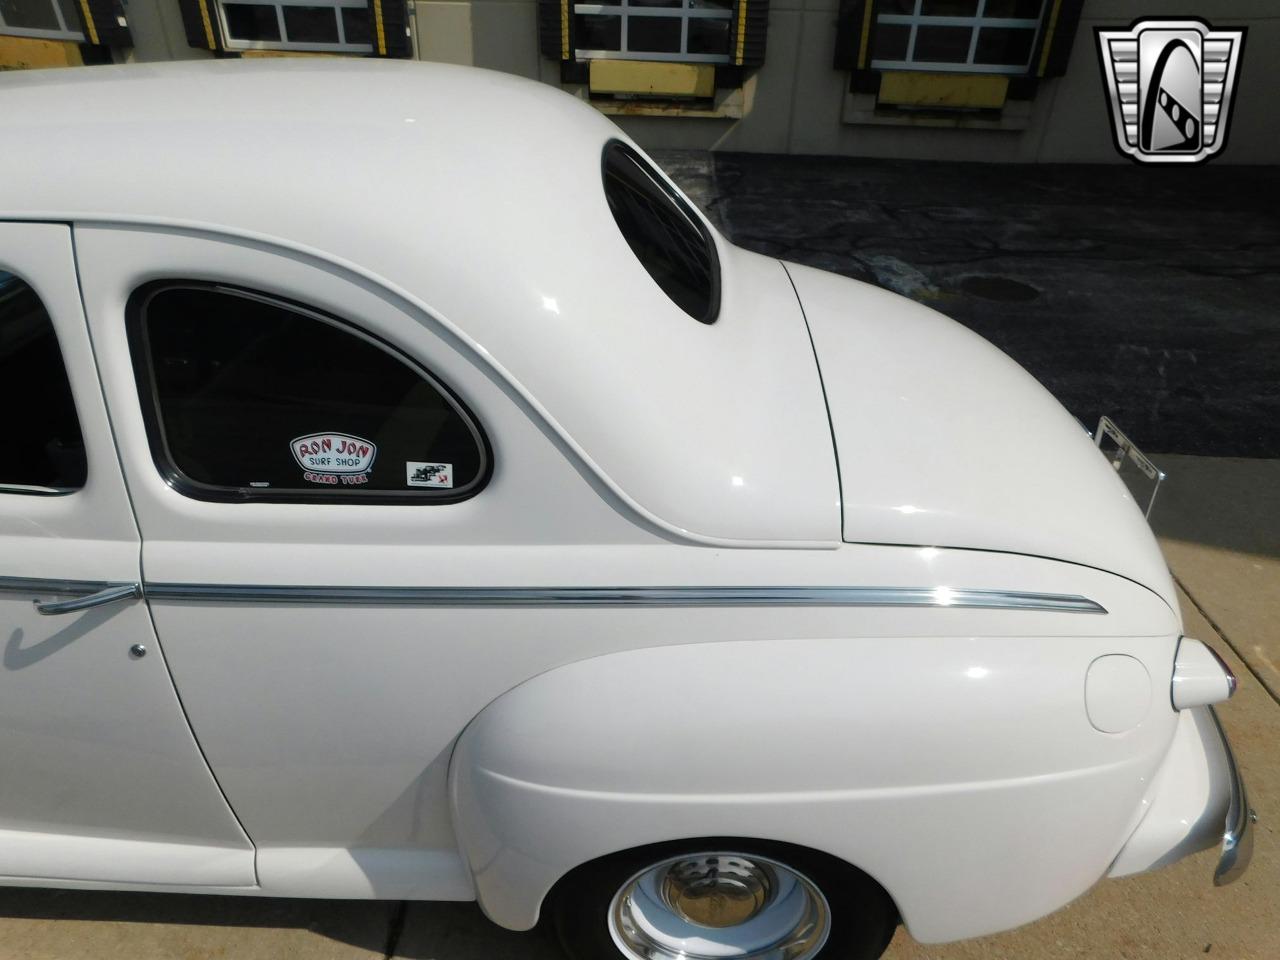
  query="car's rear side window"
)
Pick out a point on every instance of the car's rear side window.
point(43, 446)
point(669, 239)
point(252, 397)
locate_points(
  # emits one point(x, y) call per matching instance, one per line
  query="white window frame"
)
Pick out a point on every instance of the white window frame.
point(684, 13)
point(233, 43)
point(64, 31)
point(916, 19)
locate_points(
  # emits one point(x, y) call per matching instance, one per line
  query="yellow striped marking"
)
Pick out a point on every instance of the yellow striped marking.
point(377, 21)
point(564, 29)
point(1048, 37)
point(88, 22)
point(742, 30)
point(866, 34)
point(208, 26)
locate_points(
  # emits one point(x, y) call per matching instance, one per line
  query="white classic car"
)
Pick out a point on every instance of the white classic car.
point(407, 493)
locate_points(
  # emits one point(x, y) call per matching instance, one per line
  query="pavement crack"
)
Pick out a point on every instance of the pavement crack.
point(1271, 692)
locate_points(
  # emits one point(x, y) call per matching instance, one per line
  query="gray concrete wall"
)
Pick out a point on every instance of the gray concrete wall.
point(798, 103)
point(800, 99)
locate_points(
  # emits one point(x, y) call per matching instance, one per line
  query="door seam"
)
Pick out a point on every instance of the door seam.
point(142, 577)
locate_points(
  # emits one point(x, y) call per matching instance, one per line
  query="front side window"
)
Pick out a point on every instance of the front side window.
point(250, 397)
point(45, 19)
point(335, 26)
point(43, 446)
point(667, 237)
point(690, 31)
point(968, 36)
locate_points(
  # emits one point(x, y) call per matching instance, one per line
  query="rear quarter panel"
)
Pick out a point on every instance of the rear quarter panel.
point(959, 769)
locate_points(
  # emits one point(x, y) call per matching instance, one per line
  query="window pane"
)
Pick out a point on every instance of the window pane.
point(669, 241)
point(897, 7)
point(655, 3)
point(252, 21)
point(29, 14)
point(311, 24)
point(711, 4)
point(43, 444)
point(70, 15)
point(355, 23)
point(942, 44)
point(949, 8)
point(1015, 9)
point(653, 34)
point(598, 32)
point(889, 41)
point(708, 35)
point(255, 397)
point(1004, 45)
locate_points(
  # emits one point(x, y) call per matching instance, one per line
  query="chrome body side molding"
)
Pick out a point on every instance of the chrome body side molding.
point(728, 596)
point(631, 596)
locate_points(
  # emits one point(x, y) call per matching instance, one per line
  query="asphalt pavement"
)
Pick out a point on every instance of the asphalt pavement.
point(1149, 294)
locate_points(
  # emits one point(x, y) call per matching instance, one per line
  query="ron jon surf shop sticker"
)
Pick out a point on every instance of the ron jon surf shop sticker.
point(334, 458)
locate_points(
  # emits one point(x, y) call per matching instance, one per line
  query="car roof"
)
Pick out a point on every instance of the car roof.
point(479, 196)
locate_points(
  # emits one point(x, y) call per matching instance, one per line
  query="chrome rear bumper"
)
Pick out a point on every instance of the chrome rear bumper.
point(1237, 837)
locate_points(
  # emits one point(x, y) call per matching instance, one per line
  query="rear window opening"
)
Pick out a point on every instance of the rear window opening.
point(668, 238)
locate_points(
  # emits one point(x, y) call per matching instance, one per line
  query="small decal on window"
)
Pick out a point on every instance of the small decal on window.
point(333, 458)
point(417, 474)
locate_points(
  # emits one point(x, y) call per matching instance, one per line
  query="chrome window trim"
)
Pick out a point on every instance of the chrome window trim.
point(683, 596)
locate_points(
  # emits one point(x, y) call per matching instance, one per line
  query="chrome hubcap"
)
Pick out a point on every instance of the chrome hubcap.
point(714, 905)
point(716, 891)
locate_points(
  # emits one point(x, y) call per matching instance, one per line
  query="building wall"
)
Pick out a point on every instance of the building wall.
point(799, 99)
point(797, 102)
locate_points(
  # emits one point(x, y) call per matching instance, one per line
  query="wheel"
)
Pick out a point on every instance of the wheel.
point(721, 900)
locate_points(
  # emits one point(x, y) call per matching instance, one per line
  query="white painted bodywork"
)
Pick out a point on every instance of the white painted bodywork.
point(955, 460)
point(89, 733)
point(418, 751)
point(1182, 808)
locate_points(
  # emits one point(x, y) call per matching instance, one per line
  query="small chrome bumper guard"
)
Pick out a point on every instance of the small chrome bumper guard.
point(1237, 836)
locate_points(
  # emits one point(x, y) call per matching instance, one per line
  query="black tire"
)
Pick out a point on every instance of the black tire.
point(863, 917)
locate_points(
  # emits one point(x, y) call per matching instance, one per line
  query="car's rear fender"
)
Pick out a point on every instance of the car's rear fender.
point(962, 773)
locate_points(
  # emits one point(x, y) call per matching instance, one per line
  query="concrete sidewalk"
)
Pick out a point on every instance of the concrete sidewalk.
point(1219, 522)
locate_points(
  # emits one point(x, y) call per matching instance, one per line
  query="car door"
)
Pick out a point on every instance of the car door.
point(100, 777)
point(290, 576)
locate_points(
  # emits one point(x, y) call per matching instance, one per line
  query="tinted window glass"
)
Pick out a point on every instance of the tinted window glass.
point(252, 21)
point(250, 397)
point(43, 447)
point(668, 238)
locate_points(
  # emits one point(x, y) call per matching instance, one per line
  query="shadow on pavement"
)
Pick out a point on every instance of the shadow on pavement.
point(364, 924)
point(409, 931)
point(1228, 503)
point(459, 931)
